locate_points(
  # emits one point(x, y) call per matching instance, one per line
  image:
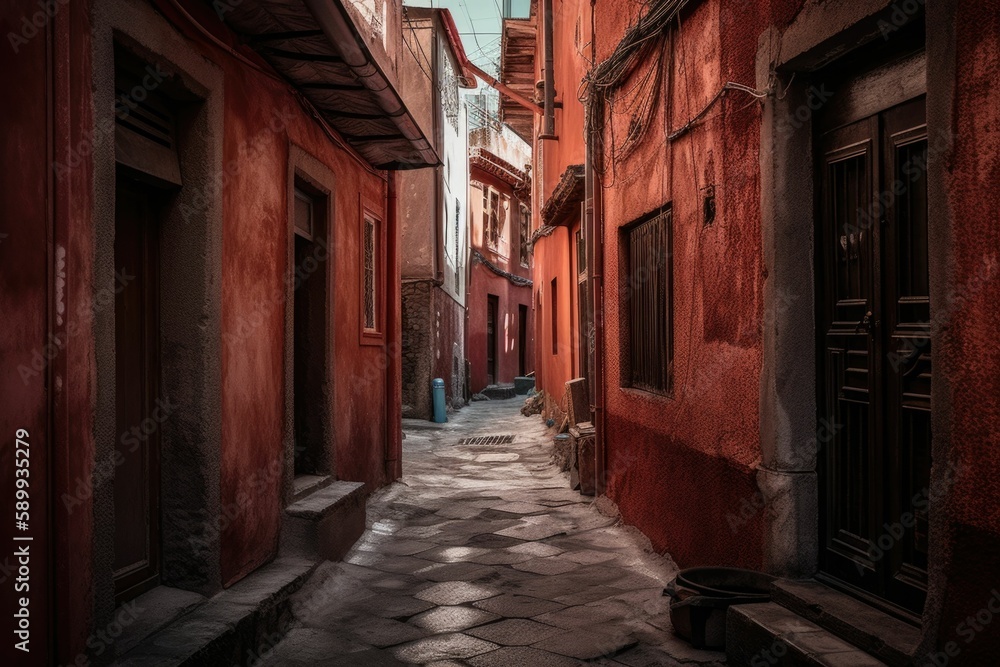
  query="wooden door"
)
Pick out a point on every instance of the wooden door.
point(491, 339)
point(874, 367)
point(522, 339)
point(139, 411)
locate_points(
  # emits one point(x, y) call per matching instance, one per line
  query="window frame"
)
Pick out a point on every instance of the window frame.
point(371, 335)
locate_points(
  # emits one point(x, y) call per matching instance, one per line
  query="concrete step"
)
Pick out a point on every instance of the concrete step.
point(234, 627)
point(889, 639)
point(325, 523)
point(769, 634)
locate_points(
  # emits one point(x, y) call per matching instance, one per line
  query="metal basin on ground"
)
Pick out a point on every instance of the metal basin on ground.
point(700, 596)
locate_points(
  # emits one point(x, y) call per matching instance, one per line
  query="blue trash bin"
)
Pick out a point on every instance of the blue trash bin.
point(437, 393)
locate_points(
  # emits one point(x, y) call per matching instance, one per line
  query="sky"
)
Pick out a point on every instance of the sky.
point(478, 24)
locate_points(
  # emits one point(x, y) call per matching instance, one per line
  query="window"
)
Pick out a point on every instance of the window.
point(369, 274)
point(525, 236)
point(554, 315)
point(304, 214)
point(495, 209)
point(646, 310)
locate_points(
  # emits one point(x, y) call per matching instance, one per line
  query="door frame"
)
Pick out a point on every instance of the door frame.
point(190, 304)
point(304, 167)
point(789, 436)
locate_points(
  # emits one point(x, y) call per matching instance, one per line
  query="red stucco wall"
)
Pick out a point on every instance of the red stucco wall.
point(48, 249)
point(509, 296)
point(678, 466)
point(484, 282)
point(254, 265)
point(967, 357)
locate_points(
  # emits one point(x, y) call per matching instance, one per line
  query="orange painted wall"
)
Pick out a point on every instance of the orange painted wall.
point(553, 255)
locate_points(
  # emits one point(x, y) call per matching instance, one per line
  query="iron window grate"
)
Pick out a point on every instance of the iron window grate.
point(369, 274)
point(488, 440)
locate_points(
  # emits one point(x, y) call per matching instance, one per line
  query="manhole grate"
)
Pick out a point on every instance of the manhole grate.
point(488, 440)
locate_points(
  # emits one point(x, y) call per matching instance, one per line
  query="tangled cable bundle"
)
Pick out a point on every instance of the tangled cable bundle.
point(644, 43)
point(638, 41)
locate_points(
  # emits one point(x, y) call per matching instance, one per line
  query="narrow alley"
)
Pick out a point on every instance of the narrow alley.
point(524, 332)
point(483, 556)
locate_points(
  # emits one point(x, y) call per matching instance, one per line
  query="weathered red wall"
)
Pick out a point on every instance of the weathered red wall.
point(46, 347)
point(509, 296)
point(679, 466)
point(47, 254)
point(254, 266)
point(967, 357)
point(484, 282)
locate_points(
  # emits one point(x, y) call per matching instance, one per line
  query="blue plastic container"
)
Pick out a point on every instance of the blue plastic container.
point(437, 394)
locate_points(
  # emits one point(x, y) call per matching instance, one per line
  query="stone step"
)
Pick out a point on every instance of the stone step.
point(888, 638)
point(769, 634)
point(153, 610)
point(325, 523)
point(303, 485)
point(234, 627)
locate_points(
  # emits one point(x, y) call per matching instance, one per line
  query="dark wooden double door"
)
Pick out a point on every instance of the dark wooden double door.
point(874, 356)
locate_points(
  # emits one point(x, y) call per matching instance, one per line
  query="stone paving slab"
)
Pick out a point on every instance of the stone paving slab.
point(483, 557)
point(452, 619)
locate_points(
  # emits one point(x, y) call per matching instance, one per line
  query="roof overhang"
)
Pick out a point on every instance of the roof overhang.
point(517, 71)
point(566, 197)
point(318, 47)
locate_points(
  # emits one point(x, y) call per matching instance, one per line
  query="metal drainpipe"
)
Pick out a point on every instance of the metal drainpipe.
point(594, 219)
point(393, 339)
point(549, 117)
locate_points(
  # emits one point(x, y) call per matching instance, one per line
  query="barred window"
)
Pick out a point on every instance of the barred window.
point(647, 337)
point(525, 236)
point(370, 242)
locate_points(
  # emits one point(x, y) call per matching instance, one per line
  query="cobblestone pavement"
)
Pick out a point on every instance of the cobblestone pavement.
point(482, 556)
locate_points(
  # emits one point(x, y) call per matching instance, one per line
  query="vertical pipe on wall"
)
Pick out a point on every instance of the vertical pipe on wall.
point(549, 116)
point(393, 338)
point(594, 223)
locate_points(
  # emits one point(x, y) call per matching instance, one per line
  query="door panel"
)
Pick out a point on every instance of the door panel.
point(873, 316)
point(492, 306)
point(137, 397)
point(907, 341)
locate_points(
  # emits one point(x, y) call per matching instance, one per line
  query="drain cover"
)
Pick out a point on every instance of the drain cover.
point(488, 440)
